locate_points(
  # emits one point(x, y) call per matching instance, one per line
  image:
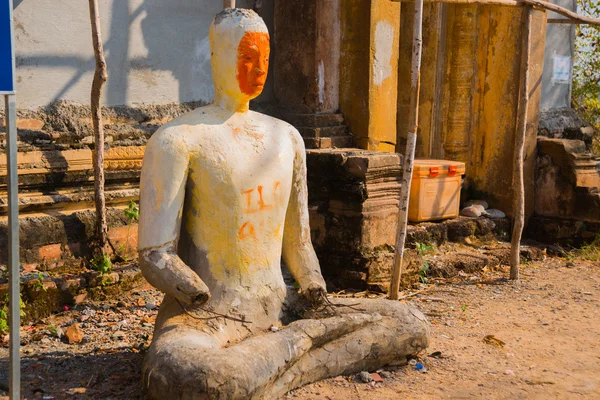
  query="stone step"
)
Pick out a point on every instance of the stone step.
point(314, 120)
point(329, 131)
point(329, 142)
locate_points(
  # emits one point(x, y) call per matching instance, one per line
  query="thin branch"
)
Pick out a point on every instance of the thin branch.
point(100, 78)
point(216, 315)
point(521, 133)
point(411, 143)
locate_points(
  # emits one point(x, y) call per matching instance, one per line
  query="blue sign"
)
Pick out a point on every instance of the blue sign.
point(7, 73)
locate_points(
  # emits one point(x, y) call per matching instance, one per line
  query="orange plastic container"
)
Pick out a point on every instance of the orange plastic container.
point(435, 190)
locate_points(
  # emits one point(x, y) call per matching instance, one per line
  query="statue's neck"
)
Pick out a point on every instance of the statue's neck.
point(231, 104)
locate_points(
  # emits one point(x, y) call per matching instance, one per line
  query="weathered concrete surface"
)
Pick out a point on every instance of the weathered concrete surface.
point(157, 52)
point(468, 113)
point(307, 61)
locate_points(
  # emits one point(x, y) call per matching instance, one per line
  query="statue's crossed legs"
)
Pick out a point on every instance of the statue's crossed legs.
point(188, 361)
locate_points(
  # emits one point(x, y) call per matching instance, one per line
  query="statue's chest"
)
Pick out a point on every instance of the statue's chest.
point(250, 175)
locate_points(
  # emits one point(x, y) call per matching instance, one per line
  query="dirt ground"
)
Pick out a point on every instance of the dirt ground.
point(549, 324)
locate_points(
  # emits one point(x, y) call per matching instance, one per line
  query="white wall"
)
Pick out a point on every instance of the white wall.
point(157, 50)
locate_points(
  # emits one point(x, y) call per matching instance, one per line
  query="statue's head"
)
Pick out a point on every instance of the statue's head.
point(239, 44)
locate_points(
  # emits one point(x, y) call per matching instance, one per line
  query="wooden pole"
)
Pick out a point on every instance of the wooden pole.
point(573, 16)
point(228, 4)
point(564, 21)
point(100, 77)
point(521, 133)
point(409, 158)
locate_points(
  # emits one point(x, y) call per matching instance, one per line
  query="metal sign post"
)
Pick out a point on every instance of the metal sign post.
point(7, 88)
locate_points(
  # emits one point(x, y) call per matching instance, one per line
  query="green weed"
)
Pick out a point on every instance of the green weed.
point(102, 263)
point(38, 284)
point(4, 314)
point(132, 212)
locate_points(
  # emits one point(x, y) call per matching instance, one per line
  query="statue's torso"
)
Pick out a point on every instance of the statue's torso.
point(238, 187)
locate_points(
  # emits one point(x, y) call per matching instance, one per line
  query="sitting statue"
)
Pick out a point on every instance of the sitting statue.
point(223, 198)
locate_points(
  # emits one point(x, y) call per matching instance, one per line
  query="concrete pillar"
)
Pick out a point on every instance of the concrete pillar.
point(307, 62)
point(307, 70)
point(369, 71)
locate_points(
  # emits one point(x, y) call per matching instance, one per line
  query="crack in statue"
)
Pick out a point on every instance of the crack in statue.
point(223, 198)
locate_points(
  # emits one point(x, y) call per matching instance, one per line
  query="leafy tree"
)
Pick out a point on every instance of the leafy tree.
point(586, 70)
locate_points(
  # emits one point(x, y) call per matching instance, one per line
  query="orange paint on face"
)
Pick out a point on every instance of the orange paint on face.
point(253, 62)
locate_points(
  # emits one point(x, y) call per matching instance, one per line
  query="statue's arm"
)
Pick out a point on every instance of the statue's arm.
point(298, 252)
point(162, 192)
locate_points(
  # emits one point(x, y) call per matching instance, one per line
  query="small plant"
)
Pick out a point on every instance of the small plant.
point(588, 252)
point(39, 283)
point(464, 307)
point(4, 314)
point(53, 330)
point(102, 263)
point(132, 212)
point(423, 248)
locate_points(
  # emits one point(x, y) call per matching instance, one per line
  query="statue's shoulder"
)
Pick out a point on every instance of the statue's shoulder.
point(185, 127)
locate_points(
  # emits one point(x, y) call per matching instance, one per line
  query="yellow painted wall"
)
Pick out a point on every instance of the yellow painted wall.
point(383, 75)
point(354, 65)
point(369, 71)
point(478, 94)
point(432, 45)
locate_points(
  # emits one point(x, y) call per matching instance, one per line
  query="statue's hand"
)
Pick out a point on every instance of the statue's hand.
point(315, 293)
point(165, 271)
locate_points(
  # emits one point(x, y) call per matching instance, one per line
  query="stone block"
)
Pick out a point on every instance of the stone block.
point(50, 252)
point(567, 180)
point(353, 196)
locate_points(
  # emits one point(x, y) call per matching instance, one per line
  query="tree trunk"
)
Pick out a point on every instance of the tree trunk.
point(409, 158)
point(100, 77)
point(521, 132)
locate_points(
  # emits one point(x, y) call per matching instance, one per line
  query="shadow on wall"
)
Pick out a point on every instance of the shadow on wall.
point(145, 40)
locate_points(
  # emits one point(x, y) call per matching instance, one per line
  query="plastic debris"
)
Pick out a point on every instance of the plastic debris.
point(494, 214)
point(473, 211)
point(481, 203)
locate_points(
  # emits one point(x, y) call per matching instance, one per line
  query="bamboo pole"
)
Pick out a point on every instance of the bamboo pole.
point(518, 179)
point(572, 16)
point(409, 158)
point(228, 4)
point(100, 77)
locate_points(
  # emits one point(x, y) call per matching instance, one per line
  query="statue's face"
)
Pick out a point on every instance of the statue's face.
point(253, 62)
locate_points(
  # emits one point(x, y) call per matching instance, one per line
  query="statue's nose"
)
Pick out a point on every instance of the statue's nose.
point(259, 71)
